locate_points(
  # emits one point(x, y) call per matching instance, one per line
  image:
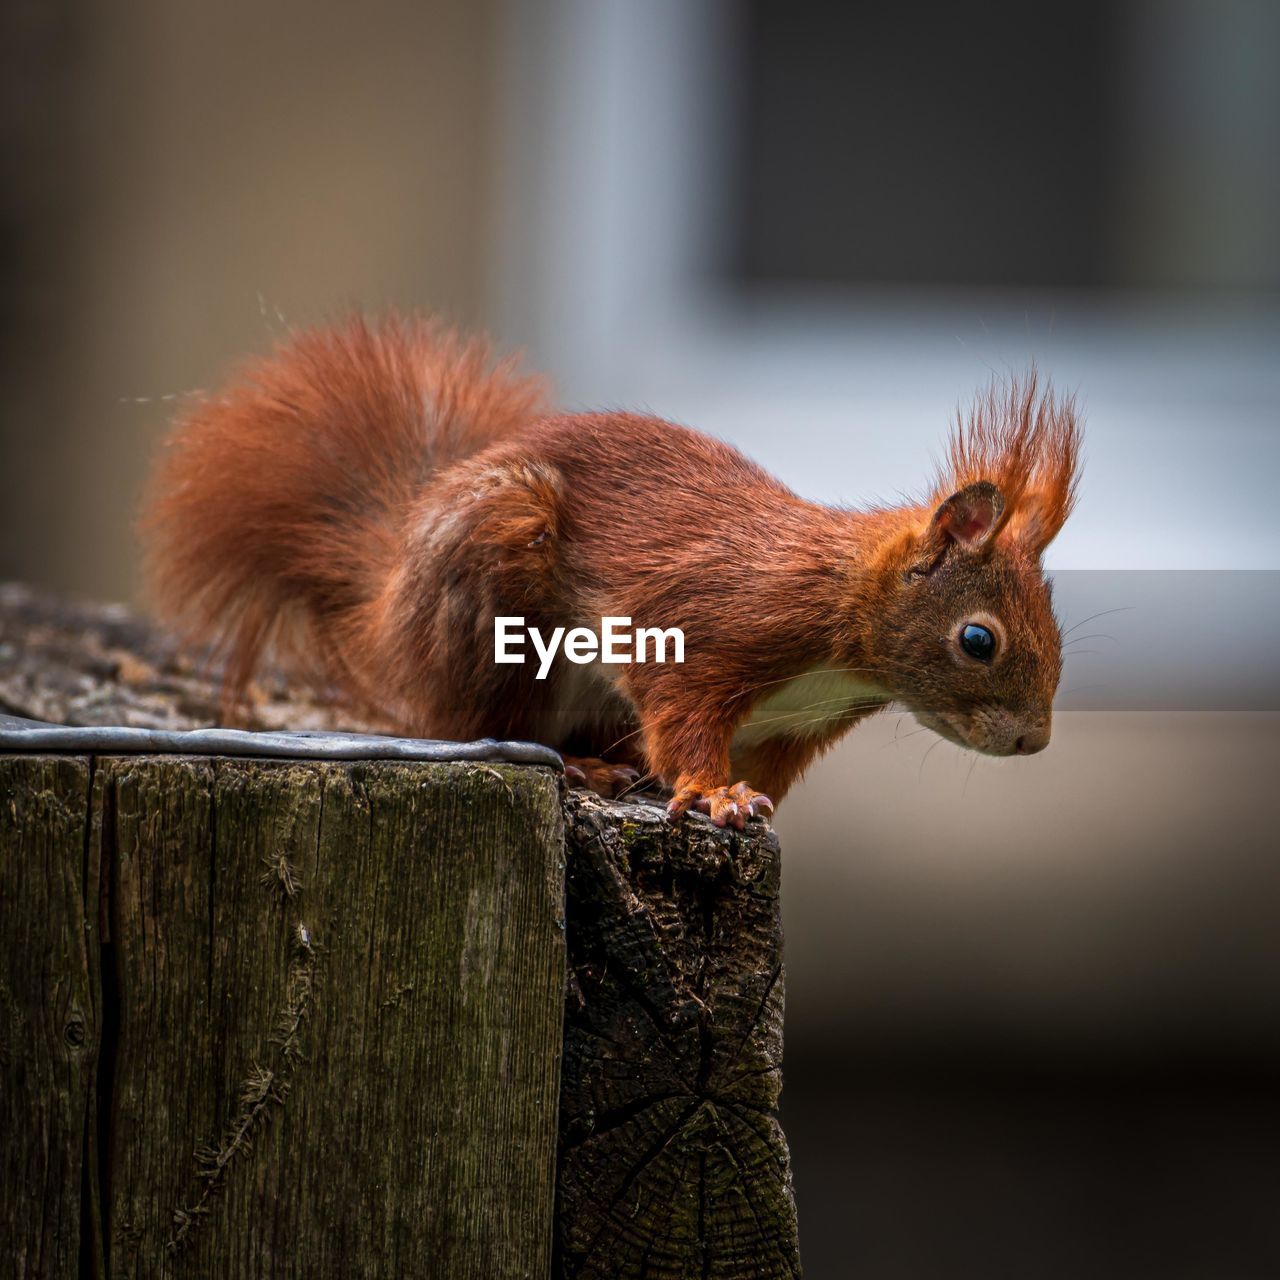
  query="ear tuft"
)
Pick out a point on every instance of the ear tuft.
point(1026, 441)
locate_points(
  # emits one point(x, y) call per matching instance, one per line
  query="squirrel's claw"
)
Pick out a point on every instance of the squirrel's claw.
point(725, 806)
point(608, 780)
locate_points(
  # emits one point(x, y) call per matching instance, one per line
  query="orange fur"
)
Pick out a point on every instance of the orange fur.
point(369, 497)
point(1026, 442)
point(275, 511)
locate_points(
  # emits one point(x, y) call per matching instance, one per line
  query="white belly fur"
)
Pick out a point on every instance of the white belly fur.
point(806, 705)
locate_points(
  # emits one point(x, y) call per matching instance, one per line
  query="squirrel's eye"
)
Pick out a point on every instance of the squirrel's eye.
point(978, 642)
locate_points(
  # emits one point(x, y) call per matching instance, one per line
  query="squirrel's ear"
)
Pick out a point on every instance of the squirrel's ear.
point(969, 518)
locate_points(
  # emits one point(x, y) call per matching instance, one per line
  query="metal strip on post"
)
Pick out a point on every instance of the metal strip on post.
point(20, 735)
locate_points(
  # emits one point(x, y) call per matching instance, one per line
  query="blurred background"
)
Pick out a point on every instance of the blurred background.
point(1032, 1004)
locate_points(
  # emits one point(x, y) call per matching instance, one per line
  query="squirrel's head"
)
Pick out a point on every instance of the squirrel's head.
point(965, 633)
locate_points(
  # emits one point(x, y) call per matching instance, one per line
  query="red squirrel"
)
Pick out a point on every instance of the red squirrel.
point(370, 497)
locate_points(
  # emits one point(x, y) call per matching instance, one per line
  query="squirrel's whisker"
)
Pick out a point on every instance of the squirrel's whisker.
point(817, 671)
point(856, 707)
point(852, 713)
point(924, 728)
point(1124, 608)
point(927, 754)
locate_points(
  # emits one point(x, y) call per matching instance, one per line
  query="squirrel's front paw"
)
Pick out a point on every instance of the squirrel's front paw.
point(605, 779)
point(726, 806)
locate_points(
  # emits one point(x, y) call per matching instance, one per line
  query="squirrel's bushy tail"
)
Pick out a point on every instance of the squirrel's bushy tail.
point(276, 510)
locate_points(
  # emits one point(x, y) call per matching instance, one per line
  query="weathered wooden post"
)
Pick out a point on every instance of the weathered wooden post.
point(308, 1016)
point(672, 1160)
point(322, 999)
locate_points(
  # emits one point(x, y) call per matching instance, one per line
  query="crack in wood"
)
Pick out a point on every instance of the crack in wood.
point(663, 923)
point(262, 1090)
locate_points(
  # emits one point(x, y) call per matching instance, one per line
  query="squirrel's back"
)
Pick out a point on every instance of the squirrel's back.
point(276, 510)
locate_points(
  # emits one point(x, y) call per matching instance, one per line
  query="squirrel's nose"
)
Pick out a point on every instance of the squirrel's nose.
point(1032, 741)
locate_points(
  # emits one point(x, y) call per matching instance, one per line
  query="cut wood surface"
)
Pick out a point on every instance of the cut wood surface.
point(672, 1160)
point(286, 1018)
point(79, 663)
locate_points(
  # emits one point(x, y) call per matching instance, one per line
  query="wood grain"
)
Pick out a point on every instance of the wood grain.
point(340, 1007)
point(673, 1163)
point(48, 1018)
